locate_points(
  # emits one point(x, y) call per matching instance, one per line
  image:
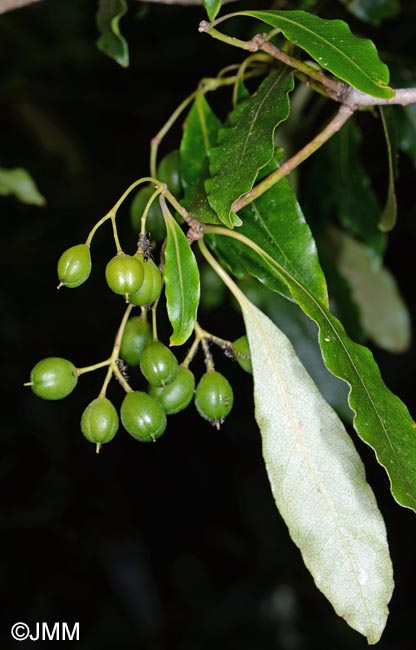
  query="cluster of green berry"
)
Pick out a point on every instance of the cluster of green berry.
point(171, 386)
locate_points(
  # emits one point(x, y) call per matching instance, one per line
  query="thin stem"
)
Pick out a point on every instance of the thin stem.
point(205, 26)
point(343, 114)
point(95, 228)
point(334, 88)
point(157, 139)
point(218, 268)
point(146, 212)
point(146, 179)
point(114, 369)
point(107, 380)
point(95, 366)
point(115, 234)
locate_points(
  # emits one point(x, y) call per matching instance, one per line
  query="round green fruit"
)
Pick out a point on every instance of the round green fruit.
point(53, 378)
point(124, 274)
point(142, 416)
point(155, 223)
point(168, 172)
point(74, 266)
point(241, 353)
point(151, 286)
point(137, 336)
point(176, 396)
point(99, 421)
point(214, 397)
point(158, 364)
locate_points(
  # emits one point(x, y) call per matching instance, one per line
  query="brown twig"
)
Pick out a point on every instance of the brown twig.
point(9, 5)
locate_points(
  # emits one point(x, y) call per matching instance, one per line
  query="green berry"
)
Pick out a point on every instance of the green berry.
point(99, 421)
point(176, 396)
point(155, 223)
point(142, 416)
point(151, 286)
point(158, 364)
point(124, 274)
point(137, 336)
point(241, 353)
point(53, 378)
point(74, 266)
point(214, 397)
point(168, 172)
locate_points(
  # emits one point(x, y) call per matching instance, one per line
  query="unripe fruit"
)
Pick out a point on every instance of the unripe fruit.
point(137, 336)
point(155, 223)
point(214, 397)
point(168, 172)
point(142, 416)
point(99, 421)
point(176, 396)
point(241, 352)
point(53, 378)
point(151, 286)
point(124, 274)
point(74, 266)
point(158, 364)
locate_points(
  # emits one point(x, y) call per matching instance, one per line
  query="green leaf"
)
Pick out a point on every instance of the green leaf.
point(181, 283)
point(111, 42)
point(389, 214)
point(331, 43)
point(246, 145)
point(384, 315)
point(212, 7)
point(373, 11)
point(318, 481)
point(337, 172)
point(18, 182)
point(381, 419)
point(302, 334)
point(275, 223)
point(199, 134)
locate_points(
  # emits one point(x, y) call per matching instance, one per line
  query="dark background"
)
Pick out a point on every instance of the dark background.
point(176, 545)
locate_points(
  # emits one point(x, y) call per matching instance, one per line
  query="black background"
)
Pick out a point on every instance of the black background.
point(175, 545)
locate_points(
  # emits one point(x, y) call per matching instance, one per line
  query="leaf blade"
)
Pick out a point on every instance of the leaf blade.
point(181, 283)
point(212, 7)
point(246, 144)
point(381, 419)
point(318, 482)
point(332, 44)
point(111, 41)
point(199, 135)
point(18, 182)
point(389, 215)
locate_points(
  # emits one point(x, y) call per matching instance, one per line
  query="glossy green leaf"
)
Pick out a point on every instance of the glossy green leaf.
point(212, 7)
point(384, 315)
point(373, 11)
point(318, 482)
point(111, 41)
point(199, 134)
point(389, 214)
point(331, 43)
point(338, 173)
point(381, 419)
point(246, 144)
point(19, 183)
point(275, 223)
point(181, 283)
